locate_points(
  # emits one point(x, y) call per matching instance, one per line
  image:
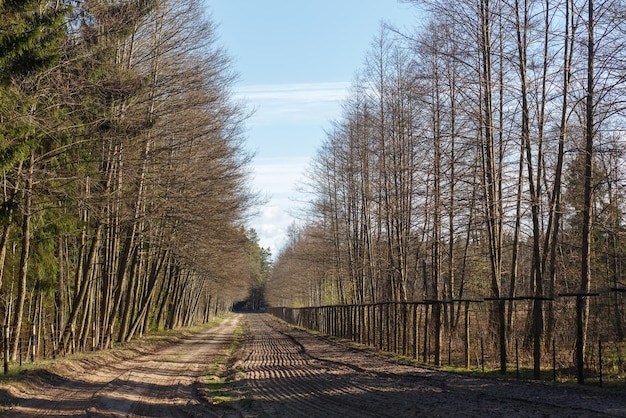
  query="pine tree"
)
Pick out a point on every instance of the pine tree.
point(31, 35)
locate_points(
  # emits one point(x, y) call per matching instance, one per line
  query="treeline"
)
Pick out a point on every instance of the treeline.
point(124, 179)
point(481, 156)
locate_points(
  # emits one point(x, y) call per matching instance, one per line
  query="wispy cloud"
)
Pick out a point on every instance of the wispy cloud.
point(284, 132)
point(296, 92)
point(312, 101)
point(277, 173)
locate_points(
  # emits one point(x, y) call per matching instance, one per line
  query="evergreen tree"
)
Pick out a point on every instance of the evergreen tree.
point(31, 35)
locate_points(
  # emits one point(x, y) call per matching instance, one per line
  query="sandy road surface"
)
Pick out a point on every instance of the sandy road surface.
point(161, 383)
point(286, 373)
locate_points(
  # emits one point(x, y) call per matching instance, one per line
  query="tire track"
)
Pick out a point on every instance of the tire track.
point(161, 383)
point(287, 372)
point(286, 381)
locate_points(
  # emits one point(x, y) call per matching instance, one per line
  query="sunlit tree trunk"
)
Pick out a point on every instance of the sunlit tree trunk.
point(491, 175)
point(554, 221)
point(582, 302)
point(18, 313)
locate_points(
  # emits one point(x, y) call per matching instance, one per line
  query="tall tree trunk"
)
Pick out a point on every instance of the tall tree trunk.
point(436, 237)
point(6, 231)
point(582, 302)
point(18, 314)
point(59, 293)
point(534, 188)
point(516, 239)
point(147, 299)
point(554, 221)
point(491, 180)
point(452, 198)
point(83, 287)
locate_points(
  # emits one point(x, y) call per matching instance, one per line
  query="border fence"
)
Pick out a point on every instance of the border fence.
point(467, 341)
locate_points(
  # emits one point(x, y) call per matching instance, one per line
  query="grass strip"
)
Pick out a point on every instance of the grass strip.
point(217, 385)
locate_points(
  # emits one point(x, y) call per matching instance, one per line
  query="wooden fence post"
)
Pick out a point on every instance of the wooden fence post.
point(482, 353)
point(33, 343)
point(554, 359)
point(600, 360)
point(580, 335)
point(6, 348)
point(416, 326)
point(517, 357)
point(54, 342)
point(467, 336)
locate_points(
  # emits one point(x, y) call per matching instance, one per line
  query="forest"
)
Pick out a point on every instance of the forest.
point(125, 191)
point(477, 170)
point(478, 158)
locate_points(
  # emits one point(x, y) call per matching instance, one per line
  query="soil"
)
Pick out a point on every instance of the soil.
point(280, 371)
point(147, 379)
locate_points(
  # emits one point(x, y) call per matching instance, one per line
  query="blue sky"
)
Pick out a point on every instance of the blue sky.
point(296, 59)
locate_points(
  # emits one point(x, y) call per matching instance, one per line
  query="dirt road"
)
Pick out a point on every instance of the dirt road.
point(161, 382)
point(285, 372)
point(289, 373)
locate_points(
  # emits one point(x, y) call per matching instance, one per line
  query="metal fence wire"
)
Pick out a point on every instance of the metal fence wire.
point(467, 340)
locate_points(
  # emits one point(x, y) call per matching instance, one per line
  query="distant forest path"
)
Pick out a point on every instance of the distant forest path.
point(281, 371)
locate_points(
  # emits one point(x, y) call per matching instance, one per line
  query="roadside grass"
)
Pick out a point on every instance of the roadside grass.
point(217, 384)
point(137, 345)
point(20, 377)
